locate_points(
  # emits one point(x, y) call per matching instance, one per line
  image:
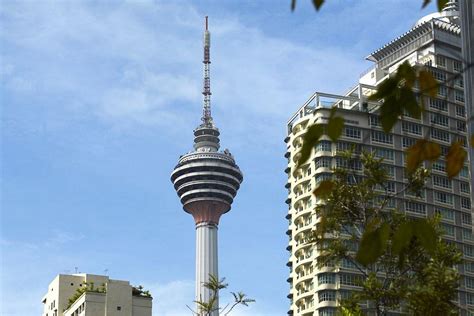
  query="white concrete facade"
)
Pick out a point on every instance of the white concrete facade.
point(107, 298)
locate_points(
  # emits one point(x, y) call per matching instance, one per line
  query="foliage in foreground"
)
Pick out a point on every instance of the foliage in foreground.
point(210, 307)
point(86, 288)
point(403, 262)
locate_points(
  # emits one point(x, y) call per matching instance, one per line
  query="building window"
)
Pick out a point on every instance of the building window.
point(459, 82)
point(461, 126)
point(464, 172)
point(440, 135)
point(415, 207)
point(457, 65)
point(412, 128)
point(348, 264)
point(345, 146)
point(440, 61)
point(442, 182)
point(386, 154)
point(352, 132)
point(381, 137)
point(460, 110)
point(323, 162)
point(448, 229)
point(327, 296)
point(439, 75)
point(465, 188)
point(465, 203)
point(466, 218)
point(327, 311)
point(323, 145)
point(470, 298)
point(469, 266)
point(469, 252)
point(439, 166)
point(119, 308)
point(439, 119)
point(442, 197)
point(374, 121)
point(459, 96)
point(438, 104)
point(408, 142)
point(467, 234)
point(326, 278)
point(442, 91)
point(350, 279)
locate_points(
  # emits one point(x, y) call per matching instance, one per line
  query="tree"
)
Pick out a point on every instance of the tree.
point(206, 308)
point(402, 262)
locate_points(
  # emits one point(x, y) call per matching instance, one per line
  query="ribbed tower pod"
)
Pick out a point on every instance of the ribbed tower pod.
point(206, 181)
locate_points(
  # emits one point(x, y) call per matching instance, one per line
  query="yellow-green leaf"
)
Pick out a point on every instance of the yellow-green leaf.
point(335, 127)
point(455, 159)
point(422, 150)
point(472, 140)
point(324, 188)
point(425, 233)
point(428, 83)
point(310, 139)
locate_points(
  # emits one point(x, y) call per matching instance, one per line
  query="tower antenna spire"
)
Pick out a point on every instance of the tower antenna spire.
point(206, 92)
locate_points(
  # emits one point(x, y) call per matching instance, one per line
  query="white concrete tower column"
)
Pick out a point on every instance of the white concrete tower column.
point(206, 261)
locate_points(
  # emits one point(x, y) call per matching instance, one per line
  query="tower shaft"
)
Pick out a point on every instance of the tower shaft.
point(206, 261)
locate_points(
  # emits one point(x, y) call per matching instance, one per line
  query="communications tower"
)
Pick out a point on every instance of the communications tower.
point(206, 181)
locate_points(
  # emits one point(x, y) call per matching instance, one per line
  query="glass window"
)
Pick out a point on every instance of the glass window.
point(439, 119)
point(465, 188)
point(408, 142)
point(457, 66)
point(350, 279)
point(439, 166)
point(415, 207)
point(468, 250)
point(467, 234)
point(460, 110)
point(442, 182)
point(326, 296)
point(374, 121)
point(381, 137)
point(448, 229)
point(466, 218)
point(440, 61)
point(442, 197)
point(386, 154)
point(440, 135)
point(459, 96)
point(465, 203)
point(352, 132)
point(445, 213)
point(439, 104)
point(324, 162)
point(464, 172)
point(323, 145)
point(412, 128)
point(326, 278)
point(442, 91)
point(469, 266)
point(345, 146)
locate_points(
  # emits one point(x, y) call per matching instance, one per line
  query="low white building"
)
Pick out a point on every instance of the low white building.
point(94, 295)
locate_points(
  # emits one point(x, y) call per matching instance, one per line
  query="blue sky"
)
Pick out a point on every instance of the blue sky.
point(99, 99)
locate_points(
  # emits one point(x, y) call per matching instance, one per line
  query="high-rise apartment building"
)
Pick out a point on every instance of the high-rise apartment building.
point(434, 42)
point(67, 296)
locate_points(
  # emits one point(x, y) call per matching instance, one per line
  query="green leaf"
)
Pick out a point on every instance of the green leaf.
point(317, 4)
point(471, 141)
point(425, 233)
point(310, 139)
point(335, 126)
point(373, 244)
point(455, 159)
point(401, 237)
point(324, 188)
point(428, 83)
point(425, 3)
point(442, 4)
point(407, 74)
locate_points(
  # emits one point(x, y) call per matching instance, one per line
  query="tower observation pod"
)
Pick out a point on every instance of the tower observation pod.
point(206, 181)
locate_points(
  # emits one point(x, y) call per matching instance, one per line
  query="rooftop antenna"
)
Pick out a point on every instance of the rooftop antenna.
point(206, 112)
point(75, 270)
point(106, 271)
